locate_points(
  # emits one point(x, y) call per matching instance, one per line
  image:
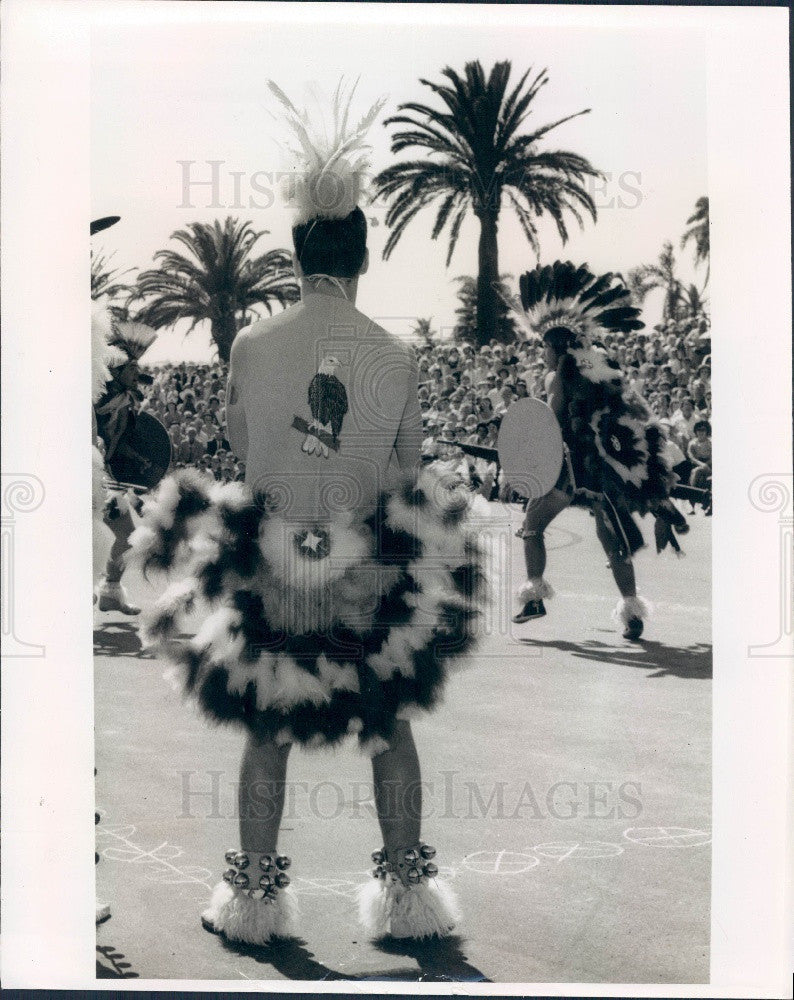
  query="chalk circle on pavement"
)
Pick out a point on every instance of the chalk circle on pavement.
point(588, 850)
point(667, 836)
point(499, 862)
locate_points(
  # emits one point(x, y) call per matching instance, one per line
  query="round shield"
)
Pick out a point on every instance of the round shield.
point(143, 453)
point(530, 447)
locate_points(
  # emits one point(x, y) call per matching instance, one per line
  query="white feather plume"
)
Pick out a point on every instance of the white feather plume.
point(134, 338)
point(329, 160)
point(103, 355)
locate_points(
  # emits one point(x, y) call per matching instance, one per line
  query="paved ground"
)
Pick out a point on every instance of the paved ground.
point(568, 797)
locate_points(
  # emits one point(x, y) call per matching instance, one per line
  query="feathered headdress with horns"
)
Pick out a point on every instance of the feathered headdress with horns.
point(329, 160)
point(561, 294)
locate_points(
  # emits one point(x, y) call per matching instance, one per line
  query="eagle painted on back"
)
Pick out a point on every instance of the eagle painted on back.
point(328, 403)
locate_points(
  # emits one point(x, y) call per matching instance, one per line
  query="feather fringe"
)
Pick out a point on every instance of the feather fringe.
point(391, 909)
point(133, 338)
point(632, 607)
point(252, 921)
point(562, 294)
point(534, 590)
point(304, 647)
point(103, 355)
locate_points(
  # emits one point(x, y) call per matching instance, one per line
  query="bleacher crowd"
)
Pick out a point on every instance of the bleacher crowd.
point(464, 391)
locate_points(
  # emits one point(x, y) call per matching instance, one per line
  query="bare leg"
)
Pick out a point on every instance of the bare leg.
point(398, 790)
point(540, 513)
point(112, 595)
point(402, 901)
point(263, 773)
point(622, 567)
point(232, 910)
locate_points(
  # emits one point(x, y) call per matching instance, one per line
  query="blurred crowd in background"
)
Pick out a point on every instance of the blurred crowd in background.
point(463, 393)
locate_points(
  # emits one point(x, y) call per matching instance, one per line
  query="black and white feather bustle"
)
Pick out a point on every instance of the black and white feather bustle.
point(308, 649)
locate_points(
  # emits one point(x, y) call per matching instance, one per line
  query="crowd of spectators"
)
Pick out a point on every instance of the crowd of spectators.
point(463, 393)
point(190, 400)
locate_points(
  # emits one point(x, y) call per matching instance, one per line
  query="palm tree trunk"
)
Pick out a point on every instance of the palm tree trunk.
point(487, 278)
point(224, 330)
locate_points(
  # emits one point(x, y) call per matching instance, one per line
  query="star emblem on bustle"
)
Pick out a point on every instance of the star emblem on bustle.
point(311, 541)
point(314, 543)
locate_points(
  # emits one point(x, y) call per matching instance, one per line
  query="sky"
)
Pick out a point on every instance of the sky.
point(167, 99)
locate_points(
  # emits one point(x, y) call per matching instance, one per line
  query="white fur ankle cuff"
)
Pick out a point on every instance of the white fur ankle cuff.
point(389, 908)
point(534, 590)
point(632, 607)
point(252, 921)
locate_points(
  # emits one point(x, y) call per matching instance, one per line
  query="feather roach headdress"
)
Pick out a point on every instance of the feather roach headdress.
point(133, 338)
point(561, 294)
point(329, 160)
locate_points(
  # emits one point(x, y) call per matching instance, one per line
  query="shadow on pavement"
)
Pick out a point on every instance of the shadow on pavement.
point(110, 964)
point(688, 662)
point(438, 961)
point(119, 639)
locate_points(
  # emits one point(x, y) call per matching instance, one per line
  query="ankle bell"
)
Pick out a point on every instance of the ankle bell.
point(258, 875)
point(411, 865)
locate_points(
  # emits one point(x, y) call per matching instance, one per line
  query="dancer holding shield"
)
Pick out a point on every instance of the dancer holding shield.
point(613, 444)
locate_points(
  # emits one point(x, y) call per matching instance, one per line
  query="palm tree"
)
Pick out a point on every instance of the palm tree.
point(647, 277)
point(698, 231)
point(222, 282)
point(105, 282)
point(476, 157)
point(466, 327)
point(423, 329)
point(692, 304)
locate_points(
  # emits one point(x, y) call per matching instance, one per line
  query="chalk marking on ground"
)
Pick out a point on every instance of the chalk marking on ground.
point(585, 850)
point(161, 857)
point(698, 609)
point(667, 836)
point(499, 862)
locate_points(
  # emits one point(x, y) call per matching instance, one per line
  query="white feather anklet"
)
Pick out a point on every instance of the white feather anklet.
point(628, 608)
point(405, 900)
point(534, 590)
point(253, 903)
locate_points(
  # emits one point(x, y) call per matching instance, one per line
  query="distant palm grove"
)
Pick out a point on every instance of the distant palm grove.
point(473, 155)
